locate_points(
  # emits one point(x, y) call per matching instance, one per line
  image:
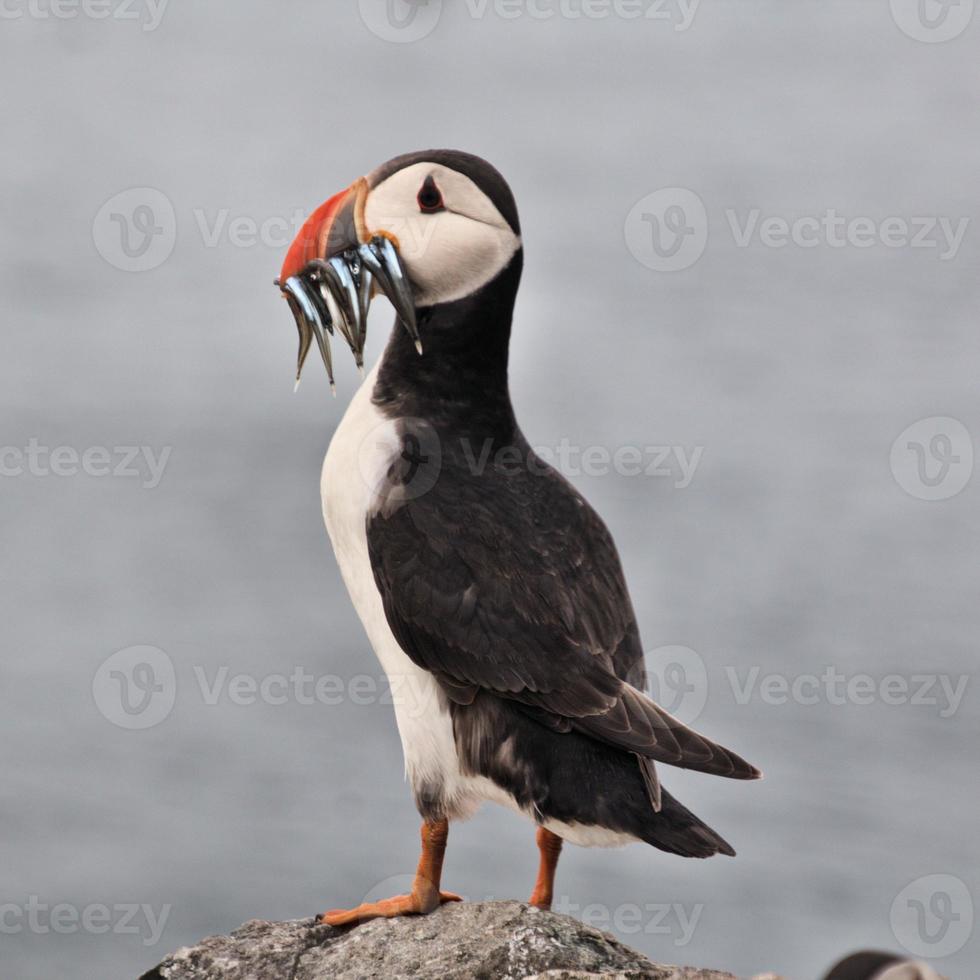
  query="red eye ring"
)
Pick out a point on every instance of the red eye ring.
point(430, 197)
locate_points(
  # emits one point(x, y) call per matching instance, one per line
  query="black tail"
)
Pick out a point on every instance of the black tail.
point(569, 777)
point(677, 830)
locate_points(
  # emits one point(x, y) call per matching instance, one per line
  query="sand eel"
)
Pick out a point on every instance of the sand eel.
point(490, 590)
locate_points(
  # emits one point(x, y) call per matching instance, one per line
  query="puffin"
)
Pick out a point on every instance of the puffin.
point(874, 965)
point(490, 590)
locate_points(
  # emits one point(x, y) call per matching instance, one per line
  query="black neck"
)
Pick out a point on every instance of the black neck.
point(460, 381)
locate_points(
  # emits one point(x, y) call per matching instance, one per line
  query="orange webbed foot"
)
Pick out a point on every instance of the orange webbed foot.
point(388, 908)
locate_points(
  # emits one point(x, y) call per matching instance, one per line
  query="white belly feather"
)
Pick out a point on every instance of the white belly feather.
point(358, 458)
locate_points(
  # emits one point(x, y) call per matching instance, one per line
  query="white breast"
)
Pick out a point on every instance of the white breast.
point(357, 460)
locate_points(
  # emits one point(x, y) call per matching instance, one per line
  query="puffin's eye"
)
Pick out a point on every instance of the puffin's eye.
point(430, 197)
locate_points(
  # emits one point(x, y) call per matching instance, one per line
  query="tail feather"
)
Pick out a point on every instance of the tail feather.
point(677, 830)
point(651, 782)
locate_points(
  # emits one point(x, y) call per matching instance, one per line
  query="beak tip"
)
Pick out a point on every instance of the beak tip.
point(418, 346)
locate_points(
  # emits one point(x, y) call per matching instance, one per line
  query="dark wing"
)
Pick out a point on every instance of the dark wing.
point(497, 575)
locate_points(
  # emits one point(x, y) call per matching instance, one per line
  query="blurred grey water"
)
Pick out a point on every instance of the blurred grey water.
point(793, 549)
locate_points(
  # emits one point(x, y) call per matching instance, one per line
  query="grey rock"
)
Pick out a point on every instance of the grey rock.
point(480, 941)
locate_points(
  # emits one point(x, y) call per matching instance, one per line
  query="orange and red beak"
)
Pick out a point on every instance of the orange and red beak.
point(334, 227)
point(333, 269)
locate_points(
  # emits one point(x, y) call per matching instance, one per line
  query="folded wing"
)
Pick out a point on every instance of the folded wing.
point(507, 581)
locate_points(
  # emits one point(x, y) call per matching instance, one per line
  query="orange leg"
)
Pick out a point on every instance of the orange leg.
point(549, 845)
point(425, 896)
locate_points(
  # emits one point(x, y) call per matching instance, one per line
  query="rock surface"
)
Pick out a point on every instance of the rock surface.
point(484, 941)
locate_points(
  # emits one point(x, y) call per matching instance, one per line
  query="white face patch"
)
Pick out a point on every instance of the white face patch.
point(909, 971)
point(450, 253)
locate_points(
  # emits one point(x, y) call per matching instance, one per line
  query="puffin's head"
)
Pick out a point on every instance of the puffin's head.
point(424, 229)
